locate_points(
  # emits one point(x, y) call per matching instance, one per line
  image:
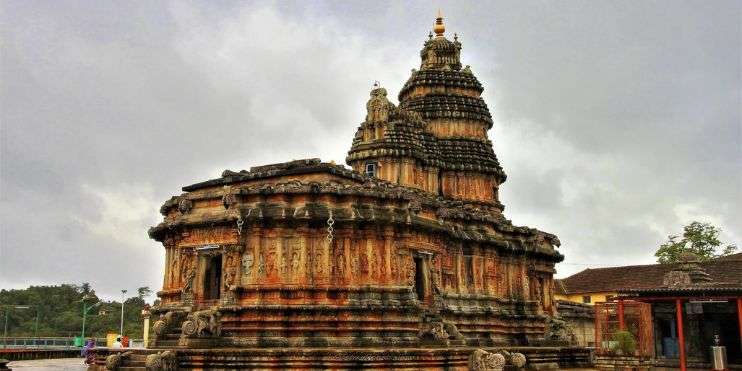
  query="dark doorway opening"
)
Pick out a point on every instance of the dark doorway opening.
point(419, 278)
point(213, 278)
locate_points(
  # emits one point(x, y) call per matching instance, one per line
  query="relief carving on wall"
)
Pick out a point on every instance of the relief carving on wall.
point(339, 265)
point(212, 235)
point(537, 291)
point(295, 260)
point(261, 264)
point(319, 260)
point(409, 269)
point(476, 272)
point(363, 260)
point(380, 266)
point(186, 294)
point(285, 262)
point(232, 264)
point(248, 260)
point(355, 264)
point(490, 276)
point(448, 274)
point(271, 256)
point(435, 273)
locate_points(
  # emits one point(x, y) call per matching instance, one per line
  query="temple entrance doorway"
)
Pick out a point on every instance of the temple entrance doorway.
point(419, 278)
point(213, 278)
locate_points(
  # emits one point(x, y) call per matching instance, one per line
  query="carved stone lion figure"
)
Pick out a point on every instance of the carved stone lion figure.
point(481, 360)
point(203, 323)
point(161, 326)
point(452, 330)
point(114, 361)
point(162, 361)
point(518, 360)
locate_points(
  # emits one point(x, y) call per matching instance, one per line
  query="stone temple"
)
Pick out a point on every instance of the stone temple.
point(404, 262)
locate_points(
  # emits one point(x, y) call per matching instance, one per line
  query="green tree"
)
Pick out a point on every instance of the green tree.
point(144, 292)
point(698, 238)
point(59, 309)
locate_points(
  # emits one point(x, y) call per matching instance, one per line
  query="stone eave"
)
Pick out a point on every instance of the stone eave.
point(316, 214)
point(702, 290)
point(265, 172)
point(439, 77)
point(383, 148)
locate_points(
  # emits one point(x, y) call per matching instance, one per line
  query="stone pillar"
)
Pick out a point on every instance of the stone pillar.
point(145, 335)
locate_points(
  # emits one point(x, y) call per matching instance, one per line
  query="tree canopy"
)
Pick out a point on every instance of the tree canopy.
point(60, 311)
point(698, 238)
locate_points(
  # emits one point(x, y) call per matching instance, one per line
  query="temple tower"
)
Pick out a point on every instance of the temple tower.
point(436, 140)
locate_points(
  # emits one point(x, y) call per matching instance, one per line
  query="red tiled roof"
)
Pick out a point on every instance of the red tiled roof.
point(632, 277)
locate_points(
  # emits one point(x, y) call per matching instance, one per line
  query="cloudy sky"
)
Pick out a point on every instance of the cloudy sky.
point(617, 122)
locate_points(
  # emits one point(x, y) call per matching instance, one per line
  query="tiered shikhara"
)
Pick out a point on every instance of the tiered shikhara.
point(408, 250)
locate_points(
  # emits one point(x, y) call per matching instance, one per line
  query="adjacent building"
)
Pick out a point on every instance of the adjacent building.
point(595, 285)
point(675, 311)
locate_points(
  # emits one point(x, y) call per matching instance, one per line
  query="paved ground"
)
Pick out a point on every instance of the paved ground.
point(62, 364)
point(76, 364)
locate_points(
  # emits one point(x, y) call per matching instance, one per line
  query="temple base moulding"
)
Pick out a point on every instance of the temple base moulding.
point(453, 358)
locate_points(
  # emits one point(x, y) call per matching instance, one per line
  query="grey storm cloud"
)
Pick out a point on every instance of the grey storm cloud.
point(616, 121)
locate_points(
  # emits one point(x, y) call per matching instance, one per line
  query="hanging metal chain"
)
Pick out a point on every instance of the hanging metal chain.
point(330, 229)
point(240, 223)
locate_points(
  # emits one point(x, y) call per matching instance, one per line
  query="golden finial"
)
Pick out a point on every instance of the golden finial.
point(439, 28)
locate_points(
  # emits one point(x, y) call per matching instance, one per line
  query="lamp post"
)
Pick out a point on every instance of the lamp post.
point(85, 310)
point(123, 293)
point(5, 332)
point(36, 325)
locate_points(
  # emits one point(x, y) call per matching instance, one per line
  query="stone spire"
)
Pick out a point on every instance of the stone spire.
point(448, 98)
point(436, 140)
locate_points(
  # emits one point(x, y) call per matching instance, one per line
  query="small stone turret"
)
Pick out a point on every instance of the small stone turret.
point(688, 273)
